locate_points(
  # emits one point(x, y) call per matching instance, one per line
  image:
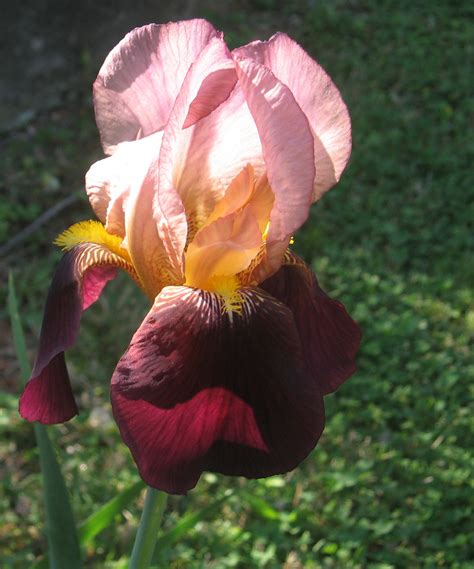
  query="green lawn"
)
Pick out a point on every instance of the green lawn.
point(390, 484)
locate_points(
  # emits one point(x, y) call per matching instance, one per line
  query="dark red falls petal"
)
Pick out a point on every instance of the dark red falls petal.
point(48, 397)
point(199, 389)
point(329, 337)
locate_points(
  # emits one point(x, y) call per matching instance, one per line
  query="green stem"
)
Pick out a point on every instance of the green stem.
point(145, 540)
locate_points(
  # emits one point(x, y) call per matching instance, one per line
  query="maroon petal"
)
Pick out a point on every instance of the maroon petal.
point(199, 389)
point(78, 282)
point(329, 337)
point(48, 398)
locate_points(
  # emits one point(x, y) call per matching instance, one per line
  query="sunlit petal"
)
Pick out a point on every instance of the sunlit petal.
point(319, 99)
point(109, 181)
point(224, 247)
point(207, 84)
point(141, 77)
point(287, 145)
point(201, 390)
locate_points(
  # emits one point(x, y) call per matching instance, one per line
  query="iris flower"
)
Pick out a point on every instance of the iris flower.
point(215, 158)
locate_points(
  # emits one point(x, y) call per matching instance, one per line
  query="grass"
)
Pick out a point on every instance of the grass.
point(390, 484)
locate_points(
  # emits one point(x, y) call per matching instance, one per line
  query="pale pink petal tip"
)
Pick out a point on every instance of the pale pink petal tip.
point(141, 78)
point(287, 145)
point(207, 85)
point(319, 99)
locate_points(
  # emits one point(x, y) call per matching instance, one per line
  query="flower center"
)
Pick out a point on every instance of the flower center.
point(230, 239)
point(226, 287)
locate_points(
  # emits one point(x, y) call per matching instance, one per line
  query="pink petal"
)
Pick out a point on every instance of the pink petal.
point(141, 77)
point(329, 337)
point(94, 280)
point(156, 265)
point(224, 247)
point(77, 283)
point(287, 145)
point(109, 181)
point(124, 186)
point(209, 82)
point(214, 90)
point(211, 153)
point(236, 196)
point(317, 96)
point(201, 390)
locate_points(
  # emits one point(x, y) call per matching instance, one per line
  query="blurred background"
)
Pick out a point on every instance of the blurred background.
point(390, 484)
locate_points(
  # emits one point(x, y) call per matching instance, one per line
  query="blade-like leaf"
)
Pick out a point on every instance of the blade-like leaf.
point(61, 530)
point(187, 522)
point(8, 409)
point(8, 401)
point(17, 330)
point(102, 518)
point(261, 507)
point(105, 515)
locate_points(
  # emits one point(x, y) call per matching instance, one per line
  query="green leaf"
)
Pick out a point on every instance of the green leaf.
point(262, 508)
point(61, 530)
point(105, 515)
point(102, 518)
point(17, 330)
point(8, 410)
point(8, 401)
point(187, 522)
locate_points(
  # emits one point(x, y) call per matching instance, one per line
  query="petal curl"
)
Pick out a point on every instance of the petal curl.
point(267, 263)
point(287, 145)
point(319, 99)
point(141, 78)
point(329, 337)
point(109, 181)
point(78, 282)
point(121, 190)
point(224, 247)
point(221, 145)
point(201, 390)
point(208, 83)
point(48, 397)
point(244, 190)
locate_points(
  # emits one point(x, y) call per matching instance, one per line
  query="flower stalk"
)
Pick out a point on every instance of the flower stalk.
point(147, 533)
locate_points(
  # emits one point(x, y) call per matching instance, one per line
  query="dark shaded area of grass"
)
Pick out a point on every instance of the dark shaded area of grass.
point(390, 484)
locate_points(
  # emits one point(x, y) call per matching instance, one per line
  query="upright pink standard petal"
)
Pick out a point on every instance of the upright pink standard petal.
point(109, 181)
point(287, 145)
point(211, 153)
point(141, 77)
point(208, 83)
point(319, 99)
